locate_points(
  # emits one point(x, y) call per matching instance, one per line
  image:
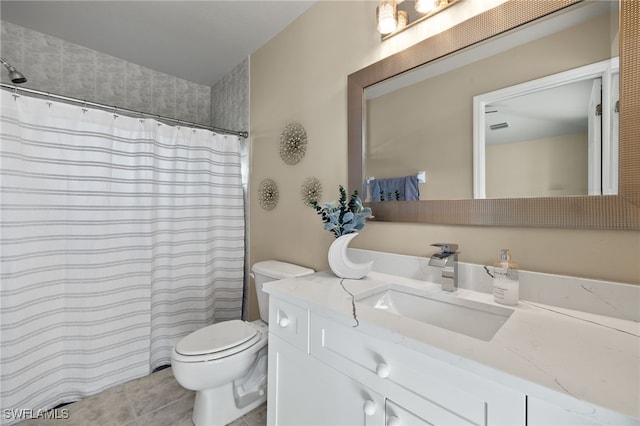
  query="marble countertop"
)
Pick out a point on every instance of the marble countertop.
point(583, 362)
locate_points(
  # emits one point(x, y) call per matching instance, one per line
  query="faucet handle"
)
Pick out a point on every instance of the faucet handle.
point(446, 247)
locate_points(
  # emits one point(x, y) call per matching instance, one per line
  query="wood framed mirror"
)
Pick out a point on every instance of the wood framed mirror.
point(621, 211)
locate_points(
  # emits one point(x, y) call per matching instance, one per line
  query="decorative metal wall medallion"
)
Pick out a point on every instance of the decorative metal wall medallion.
point(268, 194)
point(311, 190)
point(293, 143)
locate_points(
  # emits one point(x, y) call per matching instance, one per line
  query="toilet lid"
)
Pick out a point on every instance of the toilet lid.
point(216, 337)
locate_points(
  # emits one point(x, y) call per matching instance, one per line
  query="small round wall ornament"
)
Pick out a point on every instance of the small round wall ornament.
point(268, 194)
point(293, 143)
point(311, 190)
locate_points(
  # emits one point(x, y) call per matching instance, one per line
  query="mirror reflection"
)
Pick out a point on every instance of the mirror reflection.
point(423, 121)
point(548, 137)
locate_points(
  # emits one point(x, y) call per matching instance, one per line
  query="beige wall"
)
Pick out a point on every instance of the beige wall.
point(549, 167)
point(300, 75)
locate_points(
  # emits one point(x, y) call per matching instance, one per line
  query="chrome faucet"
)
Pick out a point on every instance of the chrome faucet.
point(447, 259)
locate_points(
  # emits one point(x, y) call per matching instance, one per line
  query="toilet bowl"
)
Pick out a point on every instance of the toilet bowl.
point(226, 363)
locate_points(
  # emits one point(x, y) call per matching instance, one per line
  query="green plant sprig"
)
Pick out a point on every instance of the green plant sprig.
point(341, 217)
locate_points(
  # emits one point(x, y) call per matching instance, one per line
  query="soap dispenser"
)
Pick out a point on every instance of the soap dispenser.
point(506, 284)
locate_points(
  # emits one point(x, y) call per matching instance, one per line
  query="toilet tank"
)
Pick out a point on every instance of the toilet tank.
point(272, 270)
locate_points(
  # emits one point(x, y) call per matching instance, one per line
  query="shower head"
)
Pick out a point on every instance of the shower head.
point(16, 76)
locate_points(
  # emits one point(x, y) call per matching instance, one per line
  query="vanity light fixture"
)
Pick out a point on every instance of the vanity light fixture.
point(394, 16)
point(387, 16)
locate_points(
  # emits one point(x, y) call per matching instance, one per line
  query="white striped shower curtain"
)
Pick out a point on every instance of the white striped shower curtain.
point(119, 236)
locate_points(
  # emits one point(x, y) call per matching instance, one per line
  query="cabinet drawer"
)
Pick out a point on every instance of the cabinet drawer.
point(431, 389)
point(290, 322)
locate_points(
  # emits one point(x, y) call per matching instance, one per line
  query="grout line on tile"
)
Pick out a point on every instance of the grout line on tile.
point(159, 408)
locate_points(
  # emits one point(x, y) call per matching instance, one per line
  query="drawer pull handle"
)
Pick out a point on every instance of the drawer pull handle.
point(393, 421)
point(284, 322)
point(369, 407)
point(382, 370)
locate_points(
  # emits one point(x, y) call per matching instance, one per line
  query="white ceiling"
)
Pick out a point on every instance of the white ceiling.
point(199, 41)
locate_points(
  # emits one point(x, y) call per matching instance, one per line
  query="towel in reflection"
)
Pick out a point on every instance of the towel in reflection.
point(395, 189)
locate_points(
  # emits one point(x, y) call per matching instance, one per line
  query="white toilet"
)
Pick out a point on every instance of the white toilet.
point(226, 363)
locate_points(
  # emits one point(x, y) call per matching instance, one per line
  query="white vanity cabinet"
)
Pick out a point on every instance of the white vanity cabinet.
point(305, 391)
point(546, 365)
point(328, 373)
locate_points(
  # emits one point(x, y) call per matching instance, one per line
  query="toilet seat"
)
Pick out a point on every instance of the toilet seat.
point(217, 341)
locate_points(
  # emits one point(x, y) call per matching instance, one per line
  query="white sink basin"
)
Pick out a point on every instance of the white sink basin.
point(474, 319)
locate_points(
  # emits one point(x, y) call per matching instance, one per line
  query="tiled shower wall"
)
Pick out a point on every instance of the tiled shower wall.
point(230, 99)
point(56, 66)
point(230, 110)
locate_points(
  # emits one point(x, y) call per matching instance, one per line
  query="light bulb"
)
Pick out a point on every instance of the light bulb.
point(387, 16)
point(426, 6)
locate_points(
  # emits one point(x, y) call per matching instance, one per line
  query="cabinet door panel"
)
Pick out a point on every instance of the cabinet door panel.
point(303, 391)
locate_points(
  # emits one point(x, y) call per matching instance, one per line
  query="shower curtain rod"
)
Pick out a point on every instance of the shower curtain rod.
point(240, 133)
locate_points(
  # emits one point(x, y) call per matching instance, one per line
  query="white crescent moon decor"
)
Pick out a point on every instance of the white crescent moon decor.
point(344, 218)
point(340, 263)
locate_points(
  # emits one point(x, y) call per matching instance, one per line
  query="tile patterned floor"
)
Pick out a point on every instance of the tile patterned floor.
point(155, 400)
